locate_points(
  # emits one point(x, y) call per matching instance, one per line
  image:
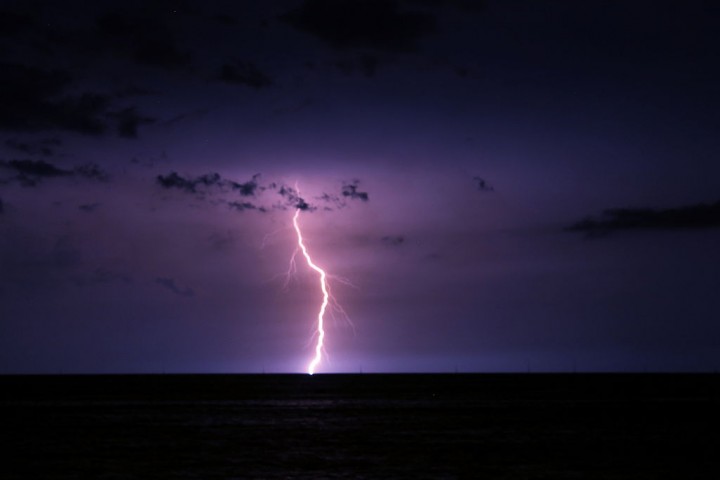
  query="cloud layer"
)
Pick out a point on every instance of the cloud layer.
point(687, 217)
point(367, 24)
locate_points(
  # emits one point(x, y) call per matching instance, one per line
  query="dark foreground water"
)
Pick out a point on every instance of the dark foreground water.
point(361, 426)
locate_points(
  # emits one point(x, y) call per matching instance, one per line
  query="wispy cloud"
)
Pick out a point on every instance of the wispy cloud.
point(482, 185)
point(350, 190)
point(696, 216)
point(45, 147)
point(30, 173)
point(209, 180)
point(173, 287)
point(245, 73)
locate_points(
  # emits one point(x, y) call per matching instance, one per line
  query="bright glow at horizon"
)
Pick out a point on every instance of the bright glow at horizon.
point(326, 297)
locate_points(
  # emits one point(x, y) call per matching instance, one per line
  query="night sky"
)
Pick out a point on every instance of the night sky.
point(496, 186)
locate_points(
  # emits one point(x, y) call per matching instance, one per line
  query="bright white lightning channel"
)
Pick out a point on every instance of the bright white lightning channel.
point(326, 297)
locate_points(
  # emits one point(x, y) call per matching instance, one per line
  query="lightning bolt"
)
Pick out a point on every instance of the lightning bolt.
point(326, 297)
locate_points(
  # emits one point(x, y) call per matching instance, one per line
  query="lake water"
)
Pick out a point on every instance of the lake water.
point(451, 426)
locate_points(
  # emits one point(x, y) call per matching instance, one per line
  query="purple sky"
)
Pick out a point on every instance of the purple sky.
point(507, 185)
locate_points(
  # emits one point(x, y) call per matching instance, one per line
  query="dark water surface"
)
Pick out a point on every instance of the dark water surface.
point(572, 426)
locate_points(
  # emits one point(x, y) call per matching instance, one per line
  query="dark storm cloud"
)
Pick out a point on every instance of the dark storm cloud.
point(303, 205)
point(190, 185)
point(15, 23)
point(350, 190)
point(33, 100)
point(242, 206)
point(248, 188)
point(393, 240)
point(688, 217)
point(244, 73)
point(35, 168)
point(482, 185)
point(128, 120)
point(91, 171)
point(143, 35)
point(170, 284)
point(174, 180)
point(375, 24)
point(293, 199)
point(30, 172)
point(147, 39)
point(45, 147)
point(331, 200)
